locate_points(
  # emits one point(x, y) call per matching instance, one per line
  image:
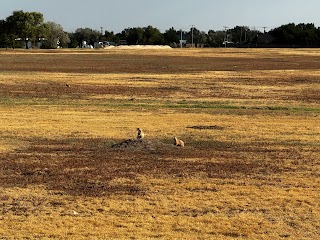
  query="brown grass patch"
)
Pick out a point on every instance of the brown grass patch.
point(249, 168)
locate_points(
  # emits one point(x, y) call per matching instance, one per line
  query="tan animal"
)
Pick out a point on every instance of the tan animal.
point(178, 142)
point(140, 134)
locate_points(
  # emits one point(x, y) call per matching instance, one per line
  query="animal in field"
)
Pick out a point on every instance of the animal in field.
point(178, 142)
point(140, 133)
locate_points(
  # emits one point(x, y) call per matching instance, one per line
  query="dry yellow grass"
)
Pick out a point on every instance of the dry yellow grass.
point(250, 168)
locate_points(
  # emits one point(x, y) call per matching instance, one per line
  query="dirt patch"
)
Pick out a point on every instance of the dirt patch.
point(57, 90)
point(214, 127)
point(89, 167)
point(117, 62)
point(136, 144)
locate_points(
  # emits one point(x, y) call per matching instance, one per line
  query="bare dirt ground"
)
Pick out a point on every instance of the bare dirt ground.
point(249, 118)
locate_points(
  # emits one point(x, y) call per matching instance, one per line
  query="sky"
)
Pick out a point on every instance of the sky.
point(113, 15)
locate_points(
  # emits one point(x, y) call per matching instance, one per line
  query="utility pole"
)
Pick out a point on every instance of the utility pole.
point(245, 34)
point(192, 26)
point(225, 36)
point(181, 38)
point(264, 29)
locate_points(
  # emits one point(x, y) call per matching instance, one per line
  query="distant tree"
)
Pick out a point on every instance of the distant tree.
point(285, 34)
point(243, 35)
point(152, 36)
point(215, 39)
point(28, 26)
point(171, 36)
point(203, 38)
point(308, 34)
point(108, 36)
point(301, 34)
point(193, 35)
point(134, 35)
point(94, 37)
point(238, 34)
point(144, 36)
point(4, 37)
point(84, 34)
point(56, 37)
point(123, 35)
point(196, 36)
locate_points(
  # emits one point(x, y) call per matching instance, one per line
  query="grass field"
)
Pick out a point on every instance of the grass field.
point(250, 120)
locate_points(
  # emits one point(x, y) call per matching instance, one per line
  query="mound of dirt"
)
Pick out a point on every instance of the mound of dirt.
point(138, 144)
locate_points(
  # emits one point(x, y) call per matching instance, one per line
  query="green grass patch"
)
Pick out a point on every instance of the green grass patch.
point(145, 104)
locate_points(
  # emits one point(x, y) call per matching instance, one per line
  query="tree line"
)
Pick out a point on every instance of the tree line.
point(28, 29)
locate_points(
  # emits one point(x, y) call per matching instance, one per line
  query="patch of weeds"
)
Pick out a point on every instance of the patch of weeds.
point(213, 127)
point(204, 189)
point(298, 143)
point(284, 235)
point(201, 105)
point(222, 105)
point(232, 235)
point(213, 145)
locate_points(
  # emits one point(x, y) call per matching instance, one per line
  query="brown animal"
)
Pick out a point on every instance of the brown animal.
point(140, 134)
point(178, 142)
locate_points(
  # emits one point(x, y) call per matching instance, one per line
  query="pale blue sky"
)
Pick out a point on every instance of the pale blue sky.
point(116, 15)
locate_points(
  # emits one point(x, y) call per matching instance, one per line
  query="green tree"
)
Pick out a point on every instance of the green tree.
point(308, 34)
point(203, 38)
point(4, 37)
point(134, 35)
point(238, 34)
point(193, 35)
point(171, 36)
point(152, 36)
point(145, 36)
point(215, 38)
point(285, 34)
point(110, 37)
point(123, 35)
point(84, 34)
point(28, 26)
point(196, 36)
point(243, 35)
point(56, 37)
